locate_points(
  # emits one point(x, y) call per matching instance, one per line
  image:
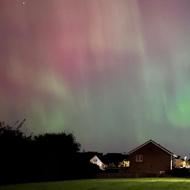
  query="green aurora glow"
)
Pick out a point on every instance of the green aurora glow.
point(115, 73)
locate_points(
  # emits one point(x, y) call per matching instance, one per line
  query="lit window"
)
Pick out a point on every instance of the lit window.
point(139, 158)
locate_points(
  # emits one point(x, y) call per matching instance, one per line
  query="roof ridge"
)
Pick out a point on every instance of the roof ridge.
point(155, 143)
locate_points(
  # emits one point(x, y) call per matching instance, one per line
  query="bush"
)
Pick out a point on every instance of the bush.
point(180, 172)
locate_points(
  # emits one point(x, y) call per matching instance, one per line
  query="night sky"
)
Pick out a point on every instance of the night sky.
point(115, 73)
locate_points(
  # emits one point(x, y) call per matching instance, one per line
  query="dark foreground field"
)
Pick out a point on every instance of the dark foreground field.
point(107, 184)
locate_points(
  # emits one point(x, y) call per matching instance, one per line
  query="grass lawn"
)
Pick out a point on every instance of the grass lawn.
point(107, 184)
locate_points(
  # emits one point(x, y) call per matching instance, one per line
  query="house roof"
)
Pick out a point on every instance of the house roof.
point(114, 158)
point(156, 144)
point(96, 160)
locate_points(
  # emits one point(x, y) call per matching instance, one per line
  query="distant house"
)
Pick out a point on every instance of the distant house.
point(150, 159)
point(112, 162)
point(98, 162)
point(115, 159)
point(180, 163)
point(116, 162)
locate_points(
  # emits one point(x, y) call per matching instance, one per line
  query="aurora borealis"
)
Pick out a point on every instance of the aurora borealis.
point(116, 73)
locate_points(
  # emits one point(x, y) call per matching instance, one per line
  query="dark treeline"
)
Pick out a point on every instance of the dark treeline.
point(45, 157)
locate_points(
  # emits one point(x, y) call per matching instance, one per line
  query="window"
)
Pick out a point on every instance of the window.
point(139, 158)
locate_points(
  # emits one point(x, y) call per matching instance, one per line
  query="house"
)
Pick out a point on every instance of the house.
point(116, 162)
point(112, 162)
point(98, 162)
point(180, 163)
point(150, 159)
point(114, 159)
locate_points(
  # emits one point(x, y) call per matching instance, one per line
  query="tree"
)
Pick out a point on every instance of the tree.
point(15, 149)
point(55, 155)
point(44, 157)
point(58, 143)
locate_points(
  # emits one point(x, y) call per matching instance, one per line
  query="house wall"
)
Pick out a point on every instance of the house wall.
point(154, 160)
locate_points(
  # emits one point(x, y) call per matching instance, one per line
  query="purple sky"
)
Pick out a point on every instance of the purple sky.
point(116, 73)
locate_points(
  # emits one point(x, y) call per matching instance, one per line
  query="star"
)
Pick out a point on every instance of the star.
point(23, 3)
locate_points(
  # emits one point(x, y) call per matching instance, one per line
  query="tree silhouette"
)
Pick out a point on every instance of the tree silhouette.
point(56, 154)
point(43, 157)
point(15, 149)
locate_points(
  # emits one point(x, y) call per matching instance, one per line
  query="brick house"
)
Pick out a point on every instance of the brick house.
point(150, 159)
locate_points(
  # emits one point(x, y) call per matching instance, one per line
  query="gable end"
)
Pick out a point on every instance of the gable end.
point(156, 144)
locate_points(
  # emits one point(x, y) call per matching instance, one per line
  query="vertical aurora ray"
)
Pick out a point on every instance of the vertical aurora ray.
point(115, 73)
